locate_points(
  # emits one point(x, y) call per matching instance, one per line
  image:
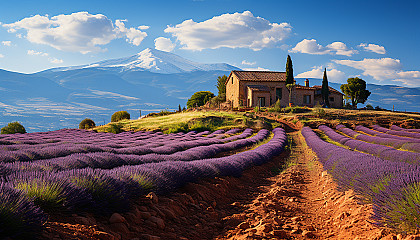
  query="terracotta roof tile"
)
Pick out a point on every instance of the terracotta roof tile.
point(304, 87)
point(260, 76)
point(331, 89)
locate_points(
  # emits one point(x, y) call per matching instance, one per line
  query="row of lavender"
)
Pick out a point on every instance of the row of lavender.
point(368, 135)
point(26, 195)
point(391, 186)
point(138, 144)
point(106, 160)
point(385, 152)
point(76, 136)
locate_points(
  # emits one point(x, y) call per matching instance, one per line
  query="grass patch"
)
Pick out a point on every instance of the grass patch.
point(324, 137)
point(292, 159)
point(184, 122)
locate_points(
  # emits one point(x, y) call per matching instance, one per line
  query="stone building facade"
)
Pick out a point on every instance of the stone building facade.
point(264, 88)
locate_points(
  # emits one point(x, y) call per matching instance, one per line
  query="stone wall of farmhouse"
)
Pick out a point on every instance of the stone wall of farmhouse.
point(338, 100)
point(237, 94)
point(237, 91)
point(232, 90)
point(253, 102)
point(299, 97)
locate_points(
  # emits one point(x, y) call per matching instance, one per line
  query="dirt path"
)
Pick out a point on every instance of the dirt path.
point(302, 202)
point(266, 202)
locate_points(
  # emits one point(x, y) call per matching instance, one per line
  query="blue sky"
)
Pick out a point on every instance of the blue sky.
point(377, 41)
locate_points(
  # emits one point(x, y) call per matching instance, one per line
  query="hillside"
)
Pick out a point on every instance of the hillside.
point(149, 81)
point(292, 196)
point(385, 96)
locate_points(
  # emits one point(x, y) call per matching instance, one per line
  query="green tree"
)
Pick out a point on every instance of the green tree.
point(355, 89)
point(221, 87)
point(325, 90)
point(199, 99)
point(13, 127)
point(87, 123)
point(290, 81)
point(120, 115)
point(179, 108)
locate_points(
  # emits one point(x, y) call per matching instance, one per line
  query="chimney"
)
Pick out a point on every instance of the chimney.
point(306, 83)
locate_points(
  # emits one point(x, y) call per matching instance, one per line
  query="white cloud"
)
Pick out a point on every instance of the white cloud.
point(7, 43)
point(55, 60)
point(35, 53)
point(42, 54)
point(310, 46)
point(373, 48)
point(237, 30)
point(164, 44)
point(1, 55)
point(257, 69)
point(143, 27)
point(341, 49)
point(134, 36)
point(333, 75)
point(384, 69)
point(244, 62)
point(79, 32)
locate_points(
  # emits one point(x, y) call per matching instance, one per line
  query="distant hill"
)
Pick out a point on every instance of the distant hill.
point(149, 81)
point(384, 96)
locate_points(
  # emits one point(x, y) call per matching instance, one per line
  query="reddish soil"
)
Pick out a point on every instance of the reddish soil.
point(272, 201)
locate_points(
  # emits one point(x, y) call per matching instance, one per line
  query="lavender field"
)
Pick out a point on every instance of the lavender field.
point(68, 170)
point(381, 165)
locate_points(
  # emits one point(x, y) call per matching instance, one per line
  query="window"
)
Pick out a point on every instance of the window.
point(278, 93)
point(232, 80)
point(331, 99)
point(261, 101)
point(307, 99)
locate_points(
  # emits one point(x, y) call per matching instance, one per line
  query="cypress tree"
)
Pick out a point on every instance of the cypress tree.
point(325, 91)
point(289, 71)
point(290, 82)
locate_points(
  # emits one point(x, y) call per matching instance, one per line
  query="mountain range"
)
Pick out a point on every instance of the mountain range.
point(149, 81)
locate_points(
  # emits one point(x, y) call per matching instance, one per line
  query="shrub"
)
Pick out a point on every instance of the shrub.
point(13, 127)
point(115, 128)
point(369, 107)
point(198, 99)
point(319, 111)
point(120, 115)
point(296, 109)
point(87, 124)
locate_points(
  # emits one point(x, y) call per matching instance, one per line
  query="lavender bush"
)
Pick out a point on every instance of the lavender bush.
point(381, 151)
point(392, 187)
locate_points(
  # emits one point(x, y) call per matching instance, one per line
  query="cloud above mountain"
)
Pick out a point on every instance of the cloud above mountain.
point(164, 44)
point(77, 32)
point(310, 46)
point(237, 30)
point(333, 75)
point(384, 69)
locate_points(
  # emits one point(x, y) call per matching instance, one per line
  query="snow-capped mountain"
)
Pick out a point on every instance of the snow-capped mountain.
point(155, 61)
point(149, 81)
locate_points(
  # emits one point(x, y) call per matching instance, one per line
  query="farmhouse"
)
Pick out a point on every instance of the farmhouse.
point(264, 88)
